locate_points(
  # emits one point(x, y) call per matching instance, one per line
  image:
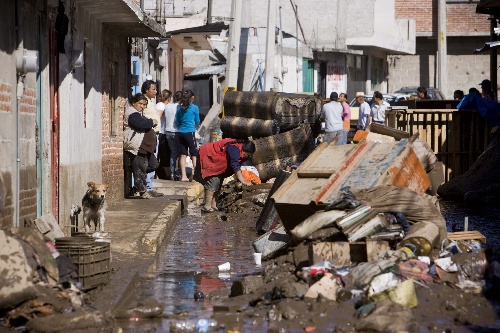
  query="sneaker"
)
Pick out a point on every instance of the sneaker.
point(155, 194)
point(145, 195)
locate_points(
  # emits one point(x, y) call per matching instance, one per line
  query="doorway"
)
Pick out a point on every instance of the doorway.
point(54, 120)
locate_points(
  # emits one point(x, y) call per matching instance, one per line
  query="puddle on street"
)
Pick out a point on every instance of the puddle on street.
point(189, 263)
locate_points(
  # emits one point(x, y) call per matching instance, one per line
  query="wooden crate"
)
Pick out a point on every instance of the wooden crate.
point(345, 253)
point(467, 235)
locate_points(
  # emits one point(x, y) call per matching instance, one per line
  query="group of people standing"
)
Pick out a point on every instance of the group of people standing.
point(486, 92)
point(152, 128)
point(337, 115)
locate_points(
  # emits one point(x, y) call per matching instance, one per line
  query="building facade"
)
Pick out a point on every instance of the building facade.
point(66, 128)
point(466, 30)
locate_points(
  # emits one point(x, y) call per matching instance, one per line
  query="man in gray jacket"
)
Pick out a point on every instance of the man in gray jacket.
point(332, 116)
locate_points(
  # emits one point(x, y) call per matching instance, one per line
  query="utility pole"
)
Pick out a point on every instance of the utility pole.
point(233, 52)
point(270, 41)
point(442, 50)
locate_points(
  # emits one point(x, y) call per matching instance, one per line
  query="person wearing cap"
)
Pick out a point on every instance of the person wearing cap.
point(364, 111)
point(331, 114)
point(486, 91)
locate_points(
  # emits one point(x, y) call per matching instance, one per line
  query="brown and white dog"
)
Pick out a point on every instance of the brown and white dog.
point(94, 206)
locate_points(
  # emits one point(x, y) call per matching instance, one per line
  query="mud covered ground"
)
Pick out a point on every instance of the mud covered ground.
point(278, 306)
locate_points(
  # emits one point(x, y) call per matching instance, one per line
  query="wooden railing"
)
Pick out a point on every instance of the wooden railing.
point(456, 137)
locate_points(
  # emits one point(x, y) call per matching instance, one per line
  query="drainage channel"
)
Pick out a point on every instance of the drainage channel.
point(188, 263)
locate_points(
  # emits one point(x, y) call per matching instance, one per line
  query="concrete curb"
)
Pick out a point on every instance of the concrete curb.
point(155, 234)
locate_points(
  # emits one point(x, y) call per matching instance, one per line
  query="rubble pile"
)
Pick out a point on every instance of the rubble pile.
point(372, 253)
point(38, 288)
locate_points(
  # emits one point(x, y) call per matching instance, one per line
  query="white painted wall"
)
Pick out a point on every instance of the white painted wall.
point(80, 147)
point(378, 27)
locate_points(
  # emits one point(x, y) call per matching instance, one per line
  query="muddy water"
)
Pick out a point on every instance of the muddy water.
point(189, 263)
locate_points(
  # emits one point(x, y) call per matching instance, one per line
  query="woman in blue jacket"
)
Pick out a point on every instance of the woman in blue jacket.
point(187, 119)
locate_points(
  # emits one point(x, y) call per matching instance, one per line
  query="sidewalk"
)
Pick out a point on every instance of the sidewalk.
point(137, 228)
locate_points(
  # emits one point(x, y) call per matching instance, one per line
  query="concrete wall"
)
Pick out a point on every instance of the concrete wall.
point(465, 70)
point(8, 116)
point(377, 26)
point(80, 156)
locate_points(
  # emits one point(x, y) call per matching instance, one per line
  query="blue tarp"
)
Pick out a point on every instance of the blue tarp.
point(487, 109)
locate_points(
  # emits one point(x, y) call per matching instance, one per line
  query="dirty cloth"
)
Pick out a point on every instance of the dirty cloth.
point(16, 280)
point(416, 270)
point(388, 317)
point(416, 208)
point(360, 276)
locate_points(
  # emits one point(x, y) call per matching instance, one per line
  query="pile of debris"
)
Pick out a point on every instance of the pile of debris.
point(39, 289)
point(355, 225)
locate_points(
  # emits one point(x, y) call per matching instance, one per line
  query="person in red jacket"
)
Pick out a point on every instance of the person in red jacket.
point(219, 160)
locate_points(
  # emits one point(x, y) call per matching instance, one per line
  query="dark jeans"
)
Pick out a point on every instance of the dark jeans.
point(139, 165)
point(169, 150)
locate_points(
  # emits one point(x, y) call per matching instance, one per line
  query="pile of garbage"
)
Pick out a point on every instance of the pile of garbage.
point(352, 240)
point(335, 271)
point(39, 291)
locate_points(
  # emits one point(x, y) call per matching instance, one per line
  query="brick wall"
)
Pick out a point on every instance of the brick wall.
point(28, 184)
point(461, 17)
point(5, 97)
point(115, 52)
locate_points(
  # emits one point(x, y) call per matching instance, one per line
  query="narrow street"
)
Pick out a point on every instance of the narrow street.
point(188, 263)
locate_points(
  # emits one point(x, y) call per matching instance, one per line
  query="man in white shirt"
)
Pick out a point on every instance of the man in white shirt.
point(379, 106)
point(364, 111)
point(331, 114)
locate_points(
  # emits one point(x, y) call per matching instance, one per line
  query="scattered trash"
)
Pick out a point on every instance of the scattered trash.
point(198, 295)
point(257, 257)
point(225, 267)
point(192, 325)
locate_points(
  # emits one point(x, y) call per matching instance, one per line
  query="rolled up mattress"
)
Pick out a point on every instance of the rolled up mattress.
point(295, 109)
point(271, 169)
point(294, 142)
point(242, 127)
point(251, 104)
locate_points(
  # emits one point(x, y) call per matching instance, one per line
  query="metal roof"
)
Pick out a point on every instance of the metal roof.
point(488, 46)
point(218, 69)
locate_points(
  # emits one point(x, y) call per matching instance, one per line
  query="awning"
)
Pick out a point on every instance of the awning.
point(488, 46)
point(215, 69)
point(490, 7)
point(196, 37)
point(124, 17)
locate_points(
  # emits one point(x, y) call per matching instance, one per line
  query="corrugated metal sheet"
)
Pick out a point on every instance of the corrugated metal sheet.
point(319, 180)
point(208, 70)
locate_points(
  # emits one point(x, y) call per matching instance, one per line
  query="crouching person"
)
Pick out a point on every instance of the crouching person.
point(218, 160)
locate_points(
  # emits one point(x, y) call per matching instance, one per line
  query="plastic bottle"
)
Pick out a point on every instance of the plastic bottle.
point(193, 325)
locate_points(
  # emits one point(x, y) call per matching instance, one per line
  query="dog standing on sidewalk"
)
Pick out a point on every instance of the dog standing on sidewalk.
point(94, 206)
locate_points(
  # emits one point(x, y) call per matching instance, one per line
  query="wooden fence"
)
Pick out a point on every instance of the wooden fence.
point(456, 137)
